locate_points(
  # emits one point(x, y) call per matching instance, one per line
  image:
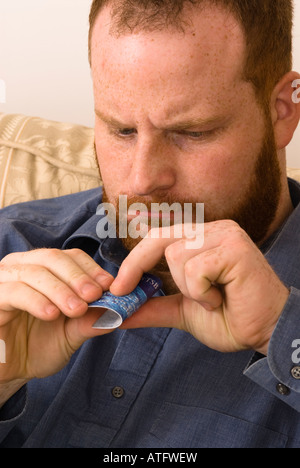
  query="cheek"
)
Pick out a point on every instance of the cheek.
point(230, 164)
point(221, 171)
point(113, 165)
point(106, 162)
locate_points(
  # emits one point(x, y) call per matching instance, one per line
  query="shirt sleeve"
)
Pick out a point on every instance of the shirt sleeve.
point(279, 372)
point(45, 223)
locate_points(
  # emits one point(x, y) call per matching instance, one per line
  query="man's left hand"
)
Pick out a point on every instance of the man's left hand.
point(230, 298)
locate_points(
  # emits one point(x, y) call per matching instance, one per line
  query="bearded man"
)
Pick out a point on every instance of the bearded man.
point(193, 104)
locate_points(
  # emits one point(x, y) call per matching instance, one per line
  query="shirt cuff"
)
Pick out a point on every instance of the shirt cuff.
point(279, 372)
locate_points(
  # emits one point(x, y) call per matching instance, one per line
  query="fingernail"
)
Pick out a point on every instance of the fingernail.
point(89, 288)
point(114, 287)
point(51, 309)
point(74, 302)
point(103, 278)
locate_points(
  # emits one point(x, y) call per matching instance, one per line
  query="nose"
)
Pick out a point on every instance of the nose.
point(152, 169)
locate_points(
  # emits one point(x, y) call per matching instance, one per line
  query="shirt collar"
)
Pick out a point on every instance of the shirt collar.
point(282, 250)
point(88, 238)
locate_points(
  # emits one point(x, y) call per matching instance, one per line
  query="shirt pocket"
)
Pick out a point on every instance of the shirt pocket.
point(192, 427)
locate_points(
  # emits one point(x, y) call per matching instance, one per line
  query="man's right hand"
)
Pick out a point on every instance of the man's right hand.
point(44, 316)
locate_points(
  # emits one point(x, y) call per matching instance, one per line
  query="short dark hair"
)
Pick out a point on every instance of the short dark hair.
point(267, 25)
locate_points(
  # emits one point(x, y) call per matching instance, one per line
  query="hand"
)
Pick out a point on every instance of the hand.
point(44, 316)
point(230, 298)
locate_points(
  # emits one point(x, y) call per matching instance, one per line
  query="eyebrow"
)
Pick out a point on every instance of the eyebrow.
point(109, 120)
point(176, 126)
point(196, 122)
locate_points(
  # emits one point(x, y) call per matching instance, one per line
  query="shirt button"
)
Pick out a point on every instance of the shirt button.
point(296, 372)
point(282, 389)
point(118, 392)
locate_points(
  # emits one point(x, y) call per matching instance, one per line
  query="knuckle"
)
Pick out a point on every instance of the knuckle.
point(173, 252)
point(9, 259)
point(233, 224)
point(53, 254)
point(75, 252)
point(75, 275)
point(77, 278)
point(228, 226)
point(189, 269)
point(169, 253)
point(234, 234)
point(36, 271)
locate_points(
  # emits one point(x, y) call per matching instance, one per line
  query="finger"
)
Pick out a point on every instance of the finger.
point(207, 273)
point(94, 270)
point(215, 234)
point(176, 256)
point(157, 312)
point(194, 275)
point(152, 248)
point(41, 280)
point(197, 272)
point(62, 264)
point(140, 260)
point(54, 259)
point(204, 291)
point(20, 297)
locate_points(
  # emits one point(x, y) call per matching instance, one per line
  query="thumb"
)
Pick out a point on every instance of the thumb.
point(80, 329)
point(162, 312)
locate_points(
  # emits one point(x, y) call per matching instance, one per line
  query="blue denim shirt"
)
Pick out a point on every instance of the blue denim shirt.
point(154, 388)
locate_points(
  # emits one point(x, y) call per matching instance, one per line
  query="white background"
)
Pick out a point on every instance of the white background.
point(44, 61)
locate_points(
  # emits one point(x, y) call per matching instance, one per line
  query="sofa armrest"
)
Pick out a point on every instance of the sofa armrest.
point(294, 174)
point(40, 158)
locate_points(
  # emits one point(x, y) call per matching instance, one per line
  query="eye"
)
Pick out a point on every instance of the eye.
point(197, 135)
point(124, 132)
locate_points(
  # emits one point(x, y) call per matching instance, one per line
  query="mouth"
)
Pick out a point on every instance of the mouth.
point(149, 215)
point(150, 219)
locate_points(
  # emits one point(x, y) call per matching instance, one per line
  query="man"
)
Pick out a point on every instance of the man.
point(193, 103)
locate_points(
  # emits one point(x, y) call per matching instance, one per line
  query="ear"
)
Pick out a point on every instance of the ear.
point(285, 108)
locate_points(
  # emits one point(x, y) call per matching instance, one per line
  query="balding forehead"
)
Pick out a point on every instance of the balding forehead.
point(216, 22)
point(169, 69)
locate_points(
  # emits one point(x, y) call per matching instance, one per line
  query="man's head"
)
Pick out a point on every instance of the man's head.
point(267, 25)
point(185, 104)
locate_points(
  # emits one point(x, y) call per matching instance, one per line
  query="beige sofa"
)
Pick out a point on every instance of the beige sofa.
point(42, 159)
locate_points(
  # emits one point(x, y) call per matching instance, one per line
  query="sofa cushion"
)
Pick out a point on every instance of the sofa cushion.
point(294, 174)
point(43, 159)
